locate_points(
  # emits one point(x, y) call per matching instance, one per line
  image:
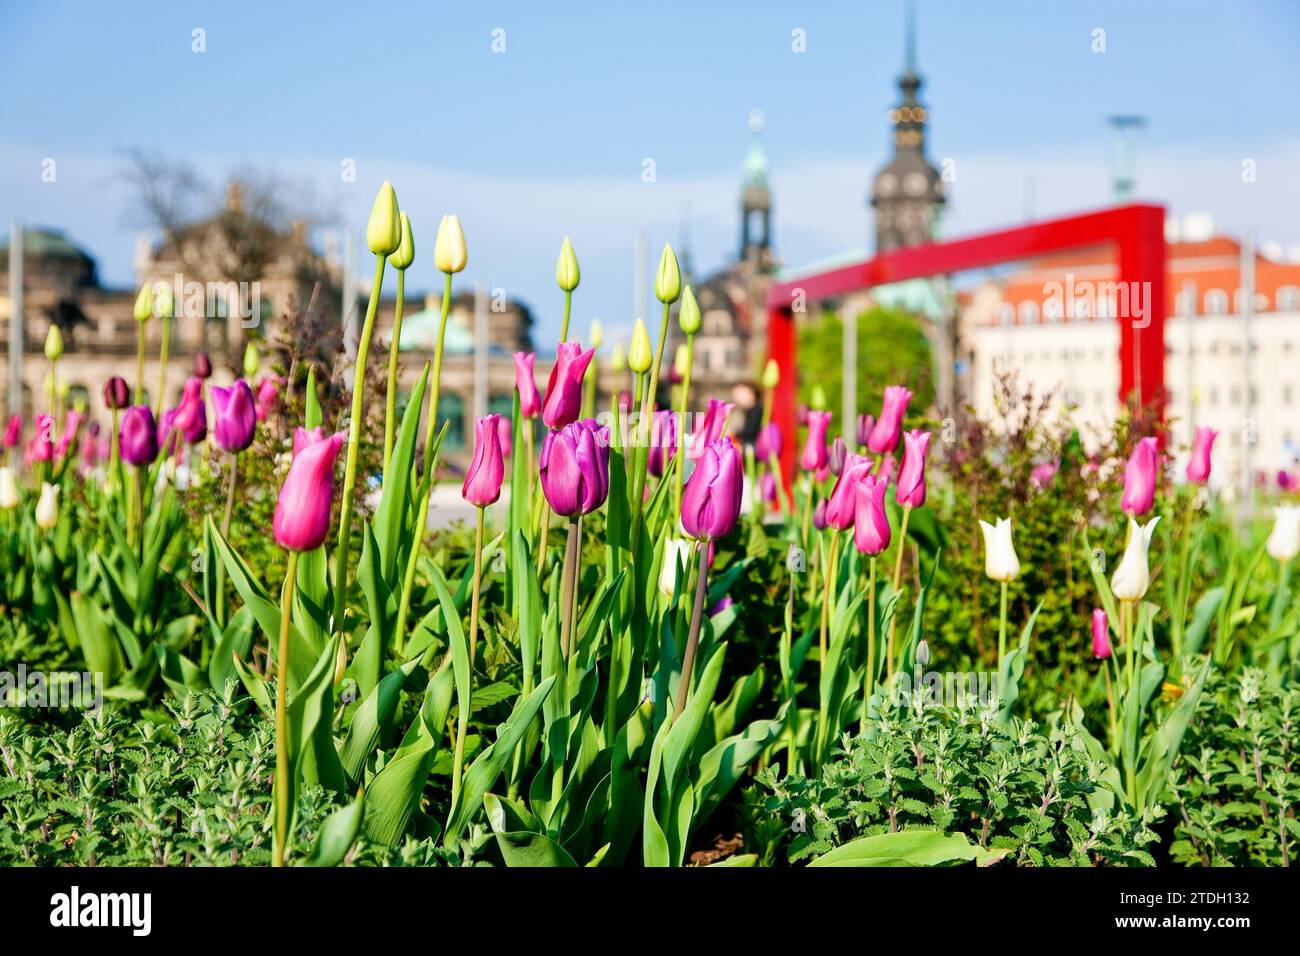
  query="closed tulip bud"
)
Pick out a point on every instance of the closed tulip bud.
point(8, 489)
point(574, 468)
point(1198, 468)
point(866, 423)
point(884, 436)
point(563, 401)
point(384, 227)
point(143, 310)
point(836, 456)
point(819, 515)
point(191, 418)
point(668, 278)
point(688, 314)
point(117, 394)
point(482, 485)
point(910, 491)
point(302, 512)
point(663, 441)
point(769, 443)
point(1140, 479)
point(1100, 634)
point(43, 441)
point(53, 343)
point(640, 354)
point(404, 254)
point(871, 532)
point(841, 507)
point(817, 398)
point(1133, 577)
point(1000, 561)
point(202, 365)
point(712, 497)
point(13, 431)
point(252, 360)
point(618, 358)
point(268, 392)
point(449, 254)
point(596, 334)
point(138, 436)
point(530, 403)
point(767, 487)
point(567, 273)
point(164, 301)
point(814, 455)
point(236, 416)
point(1284, 540)
point(47, 508)
point(677, 559)
point(922, 652)
point(771, 374)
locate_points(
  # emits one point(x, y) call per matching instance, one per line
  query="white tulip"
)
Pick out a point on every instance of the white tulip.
point(47, 508)
point(675, 550)
point(449, 253)
point(1133, 577)
point(1284, 540)
point(8, 489)
point(1000, 561)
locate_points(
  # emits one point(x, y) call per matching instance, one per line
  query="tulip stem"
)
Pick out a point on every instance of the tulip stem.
point(458, 757)
point(114, 457)
point(693, 637)
point(354, 442)
point(390, 402)
point(679, 439)
point(778, 479)
point(564, 323)
point(163, 349)
point(1002, 626)
point(568, 587)
point(431, 426)
point(281, 833)
point(225, 534)
point(869, 678)
point(898, 577)
point(1130, 770)
point(643, 427)
point(139, 364)
point(828, 578)
point(1110, 700)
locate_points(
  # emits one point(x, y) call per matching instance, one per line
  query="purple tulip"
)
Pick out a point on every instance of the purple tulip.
point(1284, 480)
point(13, 431)
point(884, 436)
point(767, 486)
point(302, 513)
point(563, 401)
point(663, 441)
point(530, 403)
point(482, 485)
point(192, 414)
point(1140, 479)
point(769, 443)
point(1100, 634)
point(711, 427)
point(865, 424)
point(814, 455)
point(117, 394)
point(841, 507)
point(871, 532)
point(1043, 473)
point(168, 437)
point(202, 365)
point(574, 468)
point(835, 458)
point(236, 418)
point(801, 415)
point(721, 606)
point(268, 390)
point(138, 436)
point(711, 499)
point(1198, 469)
point(910, 492)
point(819, 515)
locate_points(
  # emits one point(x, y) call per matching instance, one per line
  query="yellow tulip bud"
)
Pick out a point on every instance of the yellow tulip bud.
point(449, 253)
point(144, 304)
point(771, 374)
point(405, 253)
point(668, 280)
point(640, 356)
point(164, 302)
point(596, 335)
point(817, 399)
point(688, 314)
point(252, 360)
point(618, 358)
point(9, 496)
point(679, 359)
point(567, 273)
point(53, 343)
point(384, 228)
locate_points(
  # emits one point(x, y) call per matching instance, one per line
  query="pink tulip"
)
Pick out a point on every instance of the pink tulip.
point(1100, 634)
point(767, 486)
point(563, 401)
point(711, 500)
point(711, 427)
point(801, 415)
point(819, 515)
point(841, 507)
point(42, 446)
point(1043, 473)
point(884, 436)
point(236, 416)
point(910, 492)
point(530, 403)
point(191, 418)
point(71, 425)
point(482, 485)
point(769, 443)
point(302, 513)
point(871, 532)
point(866, 423)
point(574, 468)
point(1198, 469)
point(815, 455)
point(663, 441)
point(1140, 479)
point(13, 431)
point(268, 390)
point(506, 435)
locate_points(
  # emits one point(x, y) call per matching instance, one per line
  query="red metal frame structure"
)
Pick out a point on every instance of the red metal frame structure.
point(1136, 231)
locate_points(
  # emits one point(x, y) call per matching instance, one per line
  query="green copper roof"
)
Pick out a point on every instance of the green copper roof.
point(48, 243)
point(420, 334)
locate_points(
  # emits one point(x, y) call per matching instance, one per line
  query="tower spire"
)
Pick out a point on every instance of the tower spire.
point(909, 37)
point(756, 200)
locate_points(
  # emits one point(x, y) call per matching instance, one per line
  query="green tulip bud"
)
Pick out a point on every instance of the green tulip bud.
point(668, 280)
point(144, 303)
point(384, 228)
point(596, 335)
point(405, 253)
point(164, 302)
point(688, 313)
point(640, 356)
point(771, 374)
point(679, 359)
point(618, 358)
point(53, 343)
point(567, 273)
point(449, 253)
point(252, 360)
point(817, 399)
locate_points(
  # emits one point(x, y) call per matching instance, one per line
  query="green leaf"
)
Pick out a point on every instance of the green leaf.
point(909, 848)
point(337, 834)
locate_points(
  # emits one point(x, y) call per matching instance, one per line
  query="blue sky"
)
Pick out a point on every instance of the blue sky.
point(549, 137)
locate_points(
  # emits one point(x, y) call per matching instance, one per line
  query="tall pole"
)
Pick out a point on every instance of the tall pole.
point(1248, 362)
point(15, 318)
point(480, 351)
point(1189, 360)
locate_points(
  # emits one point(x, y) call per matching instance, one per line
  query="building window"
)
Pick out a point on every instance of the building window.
point(1216, 302)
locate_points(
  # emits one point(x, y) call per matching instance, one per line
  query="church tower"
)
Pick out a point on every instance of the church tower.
point(756, 202)
point(908, 193)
